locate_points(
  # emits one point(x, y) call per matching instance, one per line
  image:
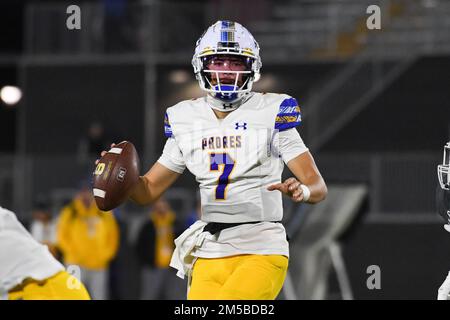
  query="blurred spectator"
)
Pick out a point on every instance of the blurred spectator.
point(120, 264)
point(43, 226)
point(154, 248)
point(88, 238)
point(95, 141)
point(120, 26)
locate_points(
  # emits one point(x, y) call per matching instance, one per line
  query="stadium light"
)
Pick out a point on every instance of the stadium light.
point(10, 95)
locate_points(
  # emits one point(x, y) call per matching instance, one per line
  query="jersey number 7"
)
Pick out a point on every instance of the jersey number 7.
point(222, 161)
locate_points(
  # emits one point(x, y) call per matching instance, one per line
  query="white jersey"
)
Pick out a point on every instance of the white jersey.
point(234, 160)
point(21, 256)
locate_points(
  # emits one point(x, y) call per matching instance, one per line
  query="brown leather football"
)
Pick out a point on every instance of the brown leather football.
point(116, 174)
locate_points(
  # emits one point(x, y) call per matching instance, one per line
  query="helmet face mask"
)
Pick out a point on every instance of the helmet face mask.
point(444, 168)
point(443, 190)
point(227, 40)
point(226, 75)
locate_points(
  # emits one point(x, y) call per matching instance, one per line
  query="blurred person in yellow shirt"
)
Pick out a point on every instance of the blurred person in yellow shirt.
point(88, 238)
point(43, 225)
point(154, 248)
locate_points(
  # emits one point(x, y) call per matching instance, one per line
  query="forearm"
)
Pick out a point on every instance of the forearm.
point(143, 194)
point(306, 172)
point(153, 184)
point(318, 189)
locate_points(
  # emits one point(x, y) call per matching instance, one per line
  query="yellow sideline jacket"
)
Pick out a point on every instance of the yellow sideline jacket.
point(87, 237)
point(164, 237)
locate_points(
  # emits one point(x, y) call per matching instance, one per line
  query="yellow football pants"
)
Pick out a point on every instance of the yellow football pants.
point(242, 277)
point(62, 286)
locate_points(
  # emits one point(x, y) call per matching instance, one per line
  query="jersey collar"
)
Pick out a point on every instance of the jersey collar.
point(227, 107)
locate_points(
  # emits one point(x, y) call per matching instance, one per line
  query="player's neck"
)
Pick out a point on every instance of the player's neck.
point(221, 114)
point(217, 105)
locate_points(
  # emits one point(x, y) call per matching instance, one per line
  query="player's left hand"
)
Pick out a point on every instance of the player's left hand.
point(444, 289)
point(290, 187)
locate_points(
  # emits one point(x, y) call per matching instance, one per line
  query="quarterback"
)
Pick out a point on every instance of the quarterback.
point(28, 271)
point(236, 142)
point(443, 207)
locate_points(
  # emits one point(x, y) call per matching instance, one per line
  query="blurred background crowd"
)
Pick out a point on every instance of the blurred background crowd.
point(95, 242)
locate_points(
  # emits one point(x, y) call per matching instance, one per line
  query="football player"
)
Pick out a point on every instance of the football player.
point(28, 271)
point(235, 141)
point(443, 207)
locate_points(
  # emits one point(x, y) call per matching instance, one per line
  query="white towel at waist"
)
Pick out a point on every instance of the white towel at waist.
point(182, 260)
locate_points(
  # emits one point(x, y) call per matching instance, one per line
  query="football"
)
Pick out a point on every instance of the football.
point(115, 175)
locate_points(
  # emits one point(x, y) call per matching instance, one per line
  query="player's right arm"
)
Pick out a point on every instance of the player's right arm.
point(153, 184)
point(161, 175)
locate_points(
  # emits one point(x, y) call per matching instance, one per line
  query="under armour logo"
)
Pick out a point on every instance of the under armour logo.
point(243, 125)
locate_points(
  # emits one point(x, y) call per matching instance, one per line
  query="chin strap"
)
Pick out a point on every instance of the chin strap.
point(223, 106)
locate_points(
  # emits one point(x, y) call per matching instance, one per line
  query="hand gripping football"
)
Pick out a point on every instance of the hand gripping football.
point(115, 176)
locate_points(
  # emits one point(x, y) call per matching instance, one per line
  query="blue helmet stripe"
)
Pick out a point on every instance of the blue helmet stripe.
point(224, 36)
point(227, 31)
point(227, 24)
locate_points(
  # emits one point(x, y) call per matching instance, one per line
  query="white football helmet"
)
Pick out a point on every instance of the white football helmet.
point(227, 38)
point(444, 168)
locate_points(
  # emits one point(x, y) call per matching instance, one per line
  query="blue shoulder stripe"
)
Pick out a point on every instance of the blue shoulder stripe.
point(289, 115)
point(167, 127)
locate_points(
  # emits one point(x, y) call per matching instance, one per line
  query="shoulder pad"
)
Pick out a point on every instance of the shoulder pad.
point(167, 127)
point(289, 115)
